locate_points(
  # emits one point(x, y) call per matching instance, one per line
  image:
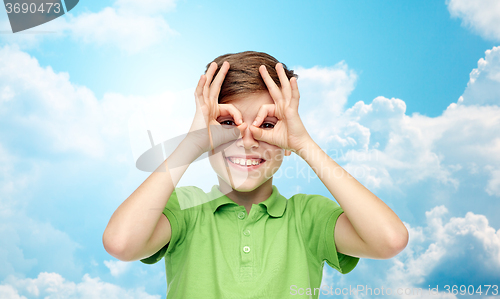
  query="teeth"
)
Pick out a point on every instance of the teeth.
point(245, 162)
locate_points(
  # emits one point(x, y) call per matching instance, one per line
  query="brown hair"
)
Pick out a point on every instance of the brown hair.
point(243, 76)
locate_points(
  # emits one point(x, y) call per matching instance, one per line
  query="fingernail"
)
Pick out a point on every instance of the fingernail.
point(240, 121)
point(254, 123)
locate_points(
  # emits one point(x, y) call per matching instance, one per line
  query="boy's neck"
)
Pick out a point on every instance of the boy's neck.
point(246, 199)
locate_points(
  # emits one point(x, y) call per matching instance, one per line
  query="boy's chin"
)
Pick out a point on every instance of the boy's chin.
point(246, 186)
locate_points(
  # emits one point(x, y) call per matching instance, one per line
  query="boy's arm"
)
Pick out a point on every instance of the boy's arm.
point(137, 228)
point(368, 227)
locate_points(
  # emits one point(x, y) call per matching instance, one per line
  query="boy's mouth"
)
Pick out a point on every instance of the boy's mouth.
point(248, 163)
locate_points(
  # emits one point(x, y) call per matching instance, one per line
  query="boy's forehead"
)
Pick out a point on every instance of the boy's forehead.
point(250, 100)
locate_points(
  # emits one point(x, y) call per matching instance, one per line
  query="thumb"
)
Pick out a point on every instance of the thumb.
point(261, 134)
point(221, 135)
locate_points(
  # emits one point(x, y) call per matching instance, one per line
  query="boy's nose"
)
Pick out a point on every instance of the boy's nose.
point(247, 141)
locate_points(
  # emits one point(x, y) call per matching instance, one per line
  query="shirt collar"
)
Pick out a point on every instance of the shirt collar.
point(275, 204)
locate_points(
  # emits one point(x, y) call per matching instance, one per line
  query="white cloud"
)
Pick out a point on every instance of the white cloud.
point(493, 187)
point(54, 286)
point(442, 245)
point(9, 183)
point(8, 292)
point(117, 268)
point(482, 16)
point(327, 87)
point(385, 148)
point(6, 94)
point(420, 147)
point(50, 123)
point(27, 244)
point(483, 87)
point(52, 114)
point(48, 117)
point(124, 29)
point(128, 25)
point(443, 251)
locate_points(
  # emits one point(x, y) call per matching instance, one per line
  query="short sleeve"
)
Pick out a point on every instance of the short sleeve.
point(177, 220)
point(319, 216)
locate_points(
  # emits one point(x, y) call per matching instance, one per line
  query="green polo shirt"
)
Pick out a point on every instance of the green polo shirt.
point(217, 250)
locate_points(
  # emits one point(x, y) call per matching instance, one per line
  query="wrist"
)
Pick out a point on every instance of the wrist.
point(305, 147)
point(193, 144)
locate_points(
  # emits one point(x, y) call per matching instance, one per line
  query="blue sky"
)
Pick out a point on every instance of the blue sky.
point(405, 95)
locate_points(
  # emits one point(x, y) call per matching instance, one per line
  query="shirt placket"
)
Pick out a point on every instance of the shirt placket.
point(247, 251)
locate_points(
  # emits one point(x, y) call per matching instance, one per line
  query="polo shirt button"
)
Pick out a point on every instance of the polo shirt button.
point(241, 215)
point(246, 232)
point(246, 249)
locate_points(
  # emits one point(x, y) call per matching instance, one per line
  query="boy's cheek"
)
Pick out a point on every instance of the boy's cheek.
point(276, 154)
point(217, 164)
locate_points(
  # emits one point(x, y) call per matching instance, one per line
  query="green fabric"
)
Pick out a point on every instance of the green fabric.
point(218, 251)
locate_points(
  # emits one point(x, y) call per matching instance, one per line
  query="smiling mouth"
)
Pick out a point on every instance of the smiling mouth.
point(245, 162)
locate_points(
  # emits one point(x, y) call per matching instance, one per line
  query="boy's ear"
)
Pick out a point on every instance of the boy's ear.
point(288, 153)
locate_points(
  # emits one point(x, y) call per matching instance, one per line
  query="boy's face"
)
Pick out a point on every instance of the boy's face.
point(260, 159)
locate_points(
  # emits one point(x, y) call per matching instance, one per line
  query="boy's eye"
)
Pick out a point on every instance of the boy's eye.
point(228, 122)
point(267, 125)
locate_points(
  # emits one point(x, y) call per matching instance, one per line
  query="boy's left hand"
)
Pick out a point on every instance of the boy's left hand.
point(289, 132)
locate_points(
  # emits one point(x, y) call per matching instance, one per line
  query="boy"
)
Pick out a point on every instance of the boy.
point(243, 239)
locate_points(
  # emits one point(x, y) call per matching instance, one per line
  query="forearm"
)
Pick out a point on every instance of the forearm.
point(378, 227)
point(134, 221)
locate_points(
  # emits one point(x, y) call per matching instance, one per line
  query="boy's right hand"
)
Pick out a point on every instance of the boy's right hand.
point(206, 132)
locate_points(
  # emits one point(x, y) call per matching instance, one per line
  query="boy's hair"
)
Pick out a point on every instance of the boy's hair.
point(243, 76)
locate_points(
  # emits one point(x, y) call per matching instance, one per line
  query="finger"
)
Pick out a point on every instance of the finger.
point(221, 135)
point(285, 84)
point(271, 85)
point(261, 134)
point(209, 74)
point(199, 88)
point(198, 93)
point(264, 111)
point(217, 83)
point(295, 93)
point(230, 109)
